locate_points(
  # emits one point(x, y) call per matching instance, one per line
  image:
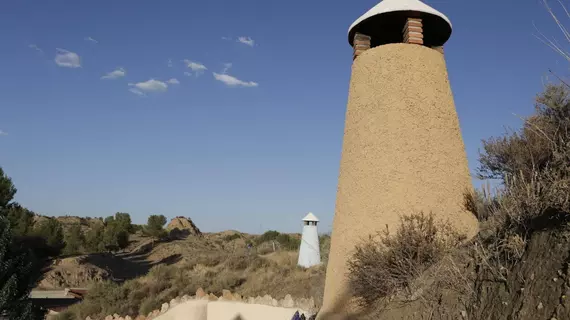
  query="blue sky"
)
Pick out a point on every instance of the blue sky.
point(251, 146)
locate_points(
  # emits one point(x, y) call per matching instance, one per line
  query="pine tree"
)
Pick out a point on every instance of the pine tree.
point(7, 190)
point(21, 219)
point(19, 268)
point(19, 272)
point(123, 221)
point(155, 226)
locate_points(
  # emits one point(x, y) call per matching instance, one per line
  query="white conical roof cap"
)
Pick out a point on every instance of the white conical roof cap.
point(311, 217)
point(390, 8)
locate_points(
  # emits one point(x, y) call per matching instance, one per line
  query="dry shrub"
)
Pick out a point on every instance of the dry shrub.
point(265, 248)
point(387, 264)
point(325, 248)
point(243, 261)
point(482, 203)
point(533, 165)
point(281, 276)
point(206, 259)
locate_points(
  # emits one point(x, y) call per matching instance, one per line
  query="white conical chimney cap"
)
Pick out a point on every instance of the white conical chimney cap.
point(386, 20)
point(311, 217)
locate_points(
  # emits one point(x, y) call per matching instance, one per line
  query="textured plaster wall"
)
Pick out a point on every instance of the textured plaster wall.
point(402, 152)
point(225, 310)
point(189, 310)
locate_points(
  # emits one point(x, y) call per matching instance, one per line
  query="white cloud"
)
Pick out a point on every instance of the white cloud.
point(186, 73)
point(67, 59)
point(233, 81)
point(3, 133)
point(226, 38)
point(151, 85)
point(117, 73)
point(246, 40)
point(91, 40)
point(198, 68)
point(170, 63)
point(136, 91)
point(173, 81)
point(33, 46)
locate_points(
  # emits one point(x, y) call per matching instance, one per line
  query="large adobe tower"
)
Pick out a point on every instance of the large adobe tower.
point(402, 150)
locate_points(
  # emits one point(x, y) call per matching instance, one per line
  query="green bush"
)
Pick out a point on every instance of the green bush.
point(287, 242)
point(231, 237)
point(267, 236)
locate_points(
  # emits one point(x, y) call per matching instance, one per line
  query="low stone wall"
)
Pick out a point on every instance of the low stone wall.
point(229, 306)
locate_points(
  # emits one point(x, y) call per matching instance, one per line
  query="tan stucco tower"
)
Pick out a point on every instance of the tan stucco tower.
point(402, 150)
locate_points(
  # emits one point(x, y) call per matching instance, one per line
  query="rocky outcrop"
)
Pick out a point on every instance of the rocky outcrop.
point(72, 272)
point(182, 227)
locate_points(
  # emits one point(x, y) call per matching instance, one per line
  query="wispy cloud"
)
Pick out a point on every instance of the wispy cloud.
point(247, 41)
point(67, 59)
point(170, 63)
point(38, 49)
point(136, 91)
point(3, 133)
point(188, 74)
point(150, 85)
point(91, 40)
point(227, 38)
point(227, 66)
point(233, 81)
point(196, 67)
point(117, 73)
point(173, 81)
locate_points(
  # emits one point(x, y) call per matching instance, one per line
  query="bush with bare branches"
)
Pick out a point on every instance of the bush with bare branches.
point(387, 264)
point(533, 163)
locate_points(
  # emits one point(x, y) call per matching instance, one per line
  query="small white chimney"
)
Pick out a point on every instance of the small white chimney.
point(309, 252)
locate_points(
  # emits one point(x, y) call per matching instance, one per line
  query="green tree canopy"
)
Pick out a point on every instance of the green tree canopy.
point(21, 219)
point(74, 240)
point(123, 221)
point(110, 220)
point(7, 190)
point(52, 231)
point(267, 236)
point(19, 269)
point(122, 239)
point(94, 239)
point(155, 226)
point(117, 230)
point(19, 272)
